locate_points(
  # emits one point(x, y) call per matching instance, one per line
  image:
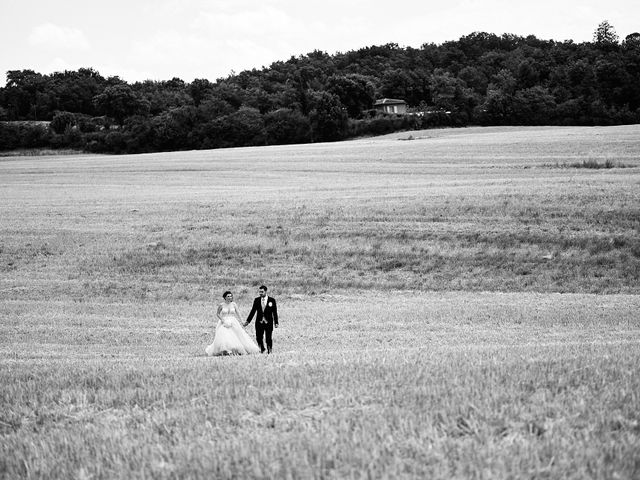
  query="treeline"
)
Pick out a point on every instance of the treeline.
point(480, 79)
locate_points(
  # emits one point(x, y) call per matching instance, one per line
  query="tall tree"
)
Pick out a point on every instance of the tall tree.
point(21, 94)
point(199, 89)
point(605, 34)
point(328, 117)
point(356, 92)
point(119, 102)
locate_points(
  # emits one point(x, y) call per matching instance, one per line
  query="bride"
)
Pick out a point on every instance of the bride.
point(230, 338)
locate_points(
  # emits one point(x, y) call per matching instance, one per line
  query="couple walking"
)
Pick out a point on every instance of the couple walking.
point(231, 339)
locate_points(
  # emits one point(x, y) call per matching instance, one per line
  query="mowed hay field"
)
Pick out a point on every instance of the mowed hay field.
point(456, 303)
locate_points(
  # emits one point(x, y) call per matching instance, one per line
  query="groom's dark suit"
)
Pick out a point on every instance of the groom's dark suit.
point(266, 319)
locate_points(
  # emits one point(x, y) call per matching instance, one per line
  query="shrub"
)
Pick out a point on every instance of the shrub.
point(61, 121)
point(24, 135)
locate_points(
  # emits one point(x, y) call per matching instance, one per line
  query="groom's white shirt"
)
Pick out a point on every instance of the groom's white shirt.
point(264, 302)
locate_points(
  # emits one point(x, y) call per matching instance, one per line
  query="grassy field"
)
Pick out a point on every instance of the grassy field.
point(460, 304)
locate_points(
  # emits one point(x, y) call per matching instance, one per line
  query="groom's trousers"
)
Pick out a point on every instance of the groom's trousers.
point(264, 330)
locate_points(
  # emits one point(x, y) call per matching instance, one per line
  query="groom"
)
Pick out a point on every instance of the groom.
point(266, 318)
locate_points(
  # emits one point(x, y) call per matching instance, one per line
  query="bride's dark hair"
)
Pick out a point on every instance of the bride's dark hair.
point(224, 295)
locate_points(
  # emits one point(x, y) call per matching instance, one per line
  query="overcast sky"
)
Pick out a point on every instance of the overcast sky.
point(161, 39)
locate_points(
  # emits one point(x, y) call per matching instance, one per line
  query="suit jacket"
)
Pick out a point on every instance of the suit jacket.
point(270, 314)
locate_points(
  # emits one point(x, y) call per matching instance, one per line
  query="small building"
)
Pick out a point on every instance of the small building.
point(390, 105)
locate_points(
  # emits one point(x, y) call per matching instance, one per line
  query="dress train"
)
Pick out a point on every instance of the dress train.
point(231, 339)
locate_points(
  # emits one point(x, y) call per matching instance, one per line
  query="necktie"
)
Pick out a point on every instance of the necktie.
point(264, 303)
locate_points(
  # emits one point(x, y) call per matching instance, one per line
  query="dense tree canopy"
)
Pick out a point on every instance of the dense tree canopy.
point(481, 78)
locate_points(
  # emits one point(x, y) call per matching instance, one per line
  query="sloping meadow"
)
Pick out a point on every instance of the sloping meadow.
point(460, 304)
point(468, 209)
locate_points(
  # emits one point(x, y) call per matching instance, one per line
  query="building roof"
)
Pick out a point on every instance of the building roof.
point(389, 101)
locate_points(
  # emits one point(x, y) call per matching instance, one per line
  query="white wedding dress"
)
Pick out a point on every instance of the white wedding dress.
point(230, 338)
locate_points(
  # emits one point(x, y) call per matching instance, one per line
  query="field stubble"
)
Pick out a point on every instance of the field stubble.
point(463, 210)
point(441, 302)
point(364, 385)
